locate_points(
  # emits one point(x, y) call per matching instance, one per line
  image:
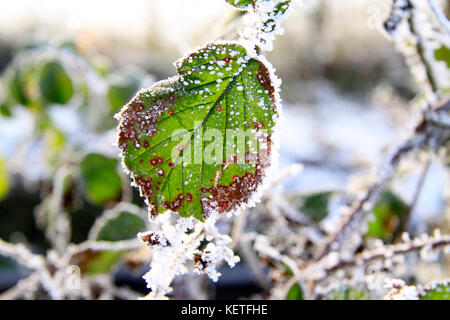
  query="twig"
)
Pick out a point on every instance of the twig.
point(388, 252)
point(254, 264)
point(34, 262)
point(23, 287)
point(425, 133)
point(405, 218)
point(238, 227)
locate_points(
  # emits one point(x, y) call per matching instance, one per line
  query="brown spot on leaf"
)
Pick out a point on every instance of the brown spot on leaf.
point(175, 204)
point(227, 198)
point(145, 186)
point(138, 118)
point(154, 239)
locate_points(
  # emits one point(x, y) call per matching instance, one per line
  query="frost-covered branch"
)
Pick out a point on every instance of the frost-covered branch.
point(174, 245)
point(419, 29)
point(35, 262)
point(428, 247)
point(22, 288)
point(105, 245)
point(425, 134)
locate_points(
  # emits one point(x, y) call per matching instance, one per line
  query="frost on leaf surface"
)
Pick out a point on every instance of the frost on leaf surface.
point(437, 291)
point(200, 142)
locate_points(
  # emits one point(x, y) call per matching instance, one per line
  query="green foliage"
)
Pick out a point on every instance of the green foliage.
point(388, 212)
point(121, 90)
point(242, 4)
point(55, 84)
point(349, 293)
point(437, 292)
point(93, 262)
point(100, 177)
point(4, 110)
point(103, 262)
point(123, 222)
point(4, 179)
point(18, 84)
point(315, 205)
point(123, 226)
point(195, 143)
point(295, 293)
point(443, 54)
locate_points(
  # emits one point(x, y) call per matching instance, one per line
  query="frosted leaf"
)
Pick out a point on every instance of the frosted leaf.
point(263, 22)
point(185, 140)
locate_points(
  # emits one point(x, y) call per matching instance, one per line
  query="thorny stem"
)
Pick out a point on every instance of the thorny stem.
point(406, 217)
point(387, 252)
point(420, 48)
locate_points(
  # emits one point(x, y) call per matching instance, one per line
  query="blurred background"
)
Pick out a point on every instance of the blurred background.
point(67, 67)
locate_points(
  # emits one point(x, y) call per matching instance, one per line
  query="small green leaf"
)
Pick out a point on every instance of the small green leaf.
point(387, 213)
point(100, 177)
point(295, 293)
point(349, 293)
point(315, 205)
point(200, 142)
point(439, 291)
point(4, 110)
point(55, 84)
point(242, 4)
point(94, 263)
point(104, 262)
point(118, 224)
point(4, 179)
point(278, 10)
point(18, 84)
point(443, 54)
point(121, 90)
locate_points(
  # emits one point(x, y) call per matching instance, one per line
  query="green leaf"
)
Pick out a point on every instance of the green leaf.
point(121, 90)
point(242, 4)
point(439, 291)
point(55, 84)
point(121, 223)
point(4, 179)
point(387, 213)
point(443, 54)
point(4, 110)
point(200, 142)
point(315, 205)
point(104, 262)
point(96, 262)
point(100, 177)
point(18, 83)
point(295, 293)
point(349, 293)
